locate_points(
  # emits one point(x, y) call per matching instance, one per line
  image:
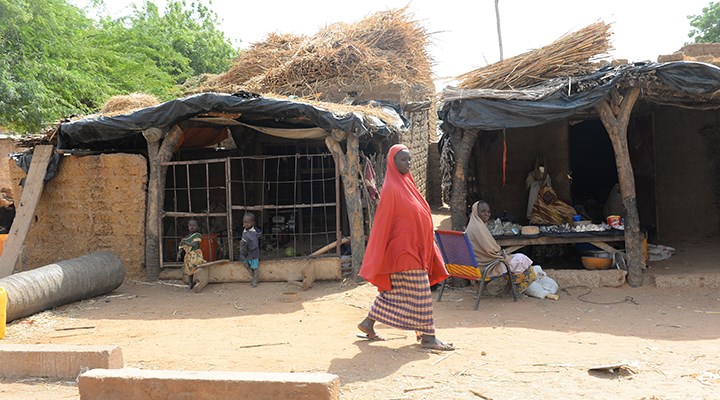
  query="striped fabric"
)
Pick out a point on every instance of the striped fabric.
point(408, 305)
point(467, 271)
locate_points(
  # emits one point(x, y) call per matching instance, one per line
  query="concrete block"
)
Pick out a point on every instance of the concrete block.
point(591, 279)
point(56, 360)
point(277, 270)
point(136, 384)
point(687, 280)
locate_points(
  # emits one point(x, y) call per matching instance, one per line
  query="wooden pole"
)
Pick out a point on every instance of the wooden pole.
point(159, 150)
point(497, 19)
point(349, 166)
point(615, 110)
point(34, 183)
point(462, 142)
point(329, 247)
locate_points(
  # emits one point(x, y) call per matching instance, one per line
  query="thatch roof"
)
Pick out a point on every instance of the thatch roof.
point(274, 51)
point(571, 55)
point(124, 104)
point(683, 84)
point(387, 47)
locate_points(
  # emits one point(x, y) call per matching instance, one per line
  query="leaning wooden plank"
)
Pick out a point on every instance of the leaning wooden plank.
point(26, 209)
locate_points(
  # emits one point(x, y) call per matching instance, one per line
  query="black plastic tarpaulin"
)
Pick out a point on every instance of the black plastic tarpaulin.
point(496, 110)
point(125, 131)
point(692, 78)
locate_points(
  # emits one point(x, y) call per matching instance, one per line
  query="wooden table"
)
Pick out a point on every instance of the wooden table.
point(599, 239)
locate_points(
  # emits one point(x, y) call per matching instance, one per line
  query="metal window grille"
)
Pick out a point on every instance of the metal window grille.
point(295, 199)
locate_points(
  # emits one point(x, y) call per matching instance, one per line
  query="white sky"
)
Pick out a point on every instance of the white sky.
point(464, 31)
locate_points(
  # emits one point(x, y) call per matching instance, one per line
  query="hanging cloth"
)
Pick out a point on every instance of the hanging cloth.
point(504, 162)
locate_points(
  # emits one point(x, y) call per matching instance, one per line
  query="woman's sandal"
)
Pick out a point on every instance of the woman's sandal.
point(442, 346)
point(369, 334)
point(438, 345)
point(371, 337)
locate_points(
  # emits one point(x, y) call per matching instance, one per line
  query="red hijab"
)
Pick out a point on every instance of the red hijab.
point(402, 234)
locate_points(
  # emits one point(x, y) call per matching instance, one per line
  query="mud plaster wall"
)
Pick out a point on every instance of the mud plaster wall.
point(94, 203)
point(416, 139)
point(7, 147)
point(684, 180)
point(422, 122)
point(523, 146)
point(434, 176)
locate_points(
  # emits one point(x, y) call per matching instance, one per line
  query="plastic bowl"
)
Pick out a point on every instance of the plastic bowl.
point(289, 297)
point(596, 254)
point(596, 262)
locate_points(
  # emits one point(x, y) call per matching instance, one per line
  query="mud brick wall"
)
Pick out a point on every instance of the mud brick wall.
point(94, 203)
point(422, 121)
point(524, 145)
point(7, 147)
point(434, 177)
point(684, 175)
point(416, 139)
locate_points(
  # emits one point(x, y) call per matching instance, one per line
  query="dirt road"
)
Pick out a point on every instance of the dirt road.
point(531, 349)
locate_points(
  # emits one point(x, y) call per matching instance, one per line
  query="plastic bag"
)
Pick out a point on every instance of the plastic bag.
point(659, 252)
point(542, 286)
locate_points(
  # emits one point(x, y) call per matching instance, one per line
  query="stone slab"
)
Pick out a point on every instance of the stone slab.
point(691, 280)
point(592, 279)
point(136, 384)
point(56, 360)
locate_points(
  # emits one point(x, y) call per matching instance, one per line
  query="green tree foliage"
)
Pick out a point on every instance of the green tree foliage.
point(55, 61)
point(706, 26)
point(183, 40)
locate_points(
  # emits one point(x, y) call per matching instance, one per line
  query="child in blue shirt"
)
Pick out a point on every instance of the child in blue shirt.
point(250, 246)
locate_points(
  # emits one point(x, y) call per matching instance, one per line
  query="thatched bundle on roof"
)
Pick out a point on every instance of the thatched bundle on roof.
point(123, 104)
point(572, 54)
point(386, 47)
point(271, 53)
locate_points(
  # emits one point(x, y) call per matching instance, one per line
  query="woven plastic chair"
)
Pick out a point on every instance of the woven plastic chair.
point(460, 262)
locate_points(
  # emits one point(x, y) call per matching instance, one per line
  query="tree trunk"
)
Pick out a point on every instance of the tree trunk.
point(615, 112)
point(462, 142)
point(157, 153)
point(349, 167)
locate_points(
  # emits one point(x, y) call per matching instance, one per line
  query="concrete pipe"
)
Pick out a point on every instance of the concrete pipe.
point(62, 283)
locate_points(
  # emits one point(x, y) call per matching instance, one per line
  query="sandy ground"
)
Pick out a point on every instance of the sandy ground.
point(666, 339)
point(530, 349)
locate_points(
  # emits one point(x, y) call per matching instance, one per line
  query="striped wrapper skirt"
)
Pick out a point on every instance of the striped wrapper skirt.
point(408, 305)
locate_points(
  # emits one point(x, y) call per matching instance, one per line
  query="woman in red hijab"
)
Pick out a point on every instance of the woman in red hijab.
point(402, 259)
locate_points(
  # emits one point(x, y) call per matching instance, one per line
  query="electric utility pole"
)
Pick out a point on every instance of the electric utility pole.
point(497, 18)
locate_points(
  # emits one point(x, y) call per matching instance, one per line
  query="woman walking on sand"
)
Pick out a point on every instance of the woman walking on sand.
point(401, 259)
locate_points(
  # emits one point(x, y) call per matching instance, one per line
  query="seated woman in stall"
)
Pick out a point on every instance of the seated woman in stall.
point(548, 209)
point(493, 260)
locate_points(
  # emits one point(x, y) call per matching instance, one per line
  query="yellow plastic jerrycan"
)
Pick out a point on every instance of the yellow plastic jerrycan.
point(3, 311)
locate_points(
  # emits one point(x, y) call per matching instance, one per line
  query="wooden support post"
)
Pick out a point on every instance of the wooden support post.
point(159, 150)
point(29, 200)
point(349, 166)
point(462, 142)
point(615, 110)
